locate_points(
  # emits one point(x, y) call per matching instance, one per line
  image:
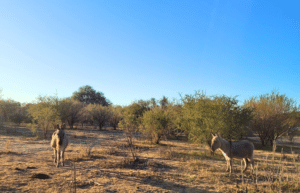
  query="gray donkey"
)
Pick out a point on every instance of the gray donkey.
point(59, 143)
point(235, 150)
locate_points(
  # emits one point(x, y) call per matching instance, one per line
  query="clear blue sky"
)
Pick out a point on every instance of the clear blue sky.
point(132, 50)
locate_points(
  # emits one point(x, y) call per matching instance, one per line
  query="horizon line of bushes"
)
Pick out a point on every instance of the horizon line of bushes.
point(194, 116)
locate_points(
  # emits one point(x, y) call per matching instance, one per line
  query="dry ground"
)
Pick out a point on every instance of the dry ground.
point(103, 163)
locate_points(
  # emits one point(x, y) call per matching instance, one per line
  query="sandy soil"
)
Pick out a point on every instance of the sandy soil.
point(103, 164)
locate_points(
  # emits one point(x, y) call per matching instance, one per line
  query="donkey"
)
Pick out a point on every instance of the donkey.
point(59, 143)
point(234, 150)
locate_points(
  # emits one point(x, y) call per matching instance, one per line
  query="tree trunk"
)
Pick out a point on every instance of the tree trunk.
point(158, 139)
point(262, 142)
point(70, 124)
point(263, 139)
point(45, 132)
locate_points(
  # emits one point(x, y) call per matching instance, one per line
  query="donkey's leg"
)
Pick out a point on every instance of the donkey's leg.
point(58, 158)
point(252, 163)
point(246, 164)
point(228, 164)
point(231, 162)
point(63, 157)
point(55, 156)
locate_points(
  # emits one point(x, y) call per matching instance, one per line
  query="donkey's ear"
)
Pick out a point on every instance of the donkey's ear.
point(212, 134)
point(57, 126)
point(63, 126)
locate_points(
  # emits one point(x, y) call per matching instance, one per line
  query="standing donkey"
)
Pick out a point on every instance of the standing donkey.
point(59, 143)
point(234, 150)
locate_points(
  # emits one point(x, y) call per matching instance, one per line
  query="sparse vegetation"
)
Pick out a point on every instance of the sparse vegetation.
point(203, 114)
point(274, 115)
point(45, 112)
point(157, 123)
point(116, 116)
point(70, 111)
point(107, 165)
point(100, 114)
point(125, 160)
point(33, 129)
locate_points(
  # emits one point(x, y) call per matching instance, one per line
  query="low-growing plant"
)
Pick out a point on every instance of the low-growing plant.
point(85, 151)
point(33, 129)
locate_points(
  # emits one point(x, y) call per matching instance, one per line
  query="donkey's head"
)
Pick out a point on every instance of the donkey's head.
point(61, 134)
point(215, 142)
point(62, 126)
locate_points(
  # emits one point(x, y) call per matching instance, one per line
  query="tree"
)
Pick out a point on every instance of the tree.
point(203, 115)
point(274, 114)
point(69, 110)
point(164, 102)
point(100, 114)
point(157, 123)
point(45, 112)
point(11, 110)
point(132, 115)
point(8, 108)
point(88, 95)
point(115, 117)
point(152, 103)
point(144, 105)
point(131, 120)
point(20, 115)
point(84, 116)
point(292, 132)
point(178, 127)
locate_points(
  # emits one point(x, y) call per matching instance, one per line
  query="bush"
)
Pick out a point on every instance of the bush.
point(33, 129)
point(157, 123)
point(100, 114)
point(203, 115)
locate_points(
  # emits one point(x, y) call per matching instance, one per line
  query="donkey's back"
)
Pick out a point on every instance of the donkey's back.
point(234, 150)
point(242, 149)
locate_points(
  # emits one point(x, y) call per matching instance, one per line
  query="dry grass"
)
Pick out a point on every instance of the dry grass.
point(103, 163)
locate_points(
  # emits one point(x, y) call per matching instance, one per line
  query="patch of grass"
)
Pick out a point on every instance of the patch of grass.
point(175, 166)
point(109, 151)
point(83, 152)
point(197, 165)
point(280, 147)
point(285, 186)
point(84, 184)
point(8, 145)
point(9, 152)
point(174, 154)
